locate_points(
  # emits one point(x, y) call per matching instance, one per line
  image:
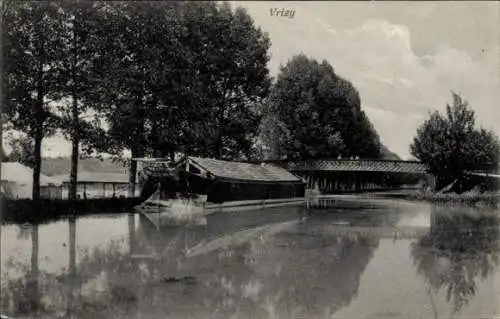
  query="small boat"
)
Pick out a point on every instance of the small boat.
point(183, 208)
point(181, 203)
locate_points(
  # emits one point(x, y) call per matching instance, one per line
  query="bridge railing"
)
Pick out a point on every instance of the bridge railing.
point(358, 165)
point(366, 165)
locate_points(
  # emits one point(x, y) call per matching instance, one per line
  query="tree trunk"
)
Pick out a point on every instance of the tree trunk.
point(2, 157)
point(137, 149)
point(74, 150)
point(38, 163)
point(132, 174)
point(218, 147)
point(40, 119)
point(75, 138)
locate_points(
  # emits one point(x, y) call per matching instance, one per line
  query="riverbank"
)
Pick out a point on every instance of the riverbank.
point(315, 199)
point(467, 198)
point(30, 211)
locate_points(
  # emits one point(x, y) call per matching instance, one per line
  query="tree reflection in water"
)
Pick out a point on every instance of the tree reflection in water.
point(22, 295)
point(462, 246)
point(296, 271)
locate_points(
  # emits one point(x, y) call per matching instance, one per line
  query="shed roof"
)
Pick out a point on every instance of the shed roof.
point(245, 171)
point(88, 177)
point(22, 174)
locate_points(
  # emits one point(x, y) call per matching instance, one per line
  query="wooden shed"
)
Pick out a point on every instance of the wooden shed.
point(226, 181)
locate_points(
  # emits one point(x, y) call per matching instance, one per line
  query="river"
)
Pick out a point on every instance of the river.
point(370, 259)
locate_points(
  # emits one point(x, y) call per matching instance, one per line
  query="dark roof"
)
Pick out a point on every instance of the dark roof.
point(89, 177)
point(60, 166)
point(245, 171)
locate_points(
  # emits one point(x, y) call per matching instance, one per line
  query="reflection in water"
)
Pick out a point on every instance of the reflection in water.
point(32, 285)
point(265, 271)
point(72, 266)
point(461, 248)
point(24, 297)
point(1, 268)
point(263, 264)
point(269, 267)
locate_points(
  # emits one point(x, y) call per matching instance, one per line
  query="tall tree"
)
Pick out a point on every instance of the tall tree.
point(141, 73)
point(229, 56)
point(322, 112)
point(81, 19)
point(4, 7)
point(174, 85)
point(451, 145)
point(30, 50)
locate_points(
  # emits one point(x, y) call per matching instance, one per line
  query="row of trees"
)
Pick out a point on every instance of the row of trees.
point(165, 77)
point(160, 78)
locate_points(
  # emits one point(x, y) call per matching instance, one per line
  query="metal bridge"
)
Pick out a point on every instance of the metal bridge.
point(361, 165)
point(358, 175)
point(352, 165)
point(341, 165)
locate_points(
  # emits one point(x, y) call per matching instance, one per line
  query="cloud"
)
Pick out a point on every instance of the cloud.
point(378, 58)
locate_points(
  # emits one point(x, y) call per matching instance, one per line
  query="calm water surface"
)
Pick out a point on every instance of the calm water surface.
point(372, 259)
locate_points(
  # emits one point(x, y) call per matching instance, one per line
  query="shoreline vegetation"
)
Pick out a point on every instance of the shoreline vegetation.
point(469, 198)
point(472, 197)
point(43, 210)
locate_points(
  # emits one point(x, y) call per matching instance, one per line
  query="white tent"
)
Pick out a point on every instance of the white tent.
point(17, 182)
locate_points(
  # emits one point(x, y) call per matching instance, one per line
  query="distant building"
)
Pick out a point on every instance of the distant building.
point(17, 183)
point(97, 185)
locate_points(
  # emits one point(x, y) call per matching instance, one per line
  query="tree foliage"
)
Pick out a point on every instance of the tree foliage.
point(31, 48)
point(134, 65)
point(232, 70)
point(178, 77)
point(141, 75)
point(80, 22)
point(166, 77)
point(22, 151)
point(183, 77)
point(451, 144)
point(273, 135)
point(322, 112)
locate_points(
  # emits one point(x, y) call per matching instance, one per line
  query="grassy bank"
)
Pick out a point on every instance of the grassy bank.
point(29, 211)
point(467, 198)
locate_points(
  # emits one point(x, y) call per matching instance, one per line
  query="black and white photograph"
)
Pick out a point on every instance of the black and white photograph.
point(250, 159)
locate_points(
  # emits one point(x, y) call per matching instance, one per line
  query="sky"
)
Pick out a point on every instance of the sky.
point(405, 58)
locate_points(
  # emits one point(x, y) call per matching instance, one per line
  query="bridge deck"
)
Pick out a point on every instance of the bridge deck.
point(358, 166)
